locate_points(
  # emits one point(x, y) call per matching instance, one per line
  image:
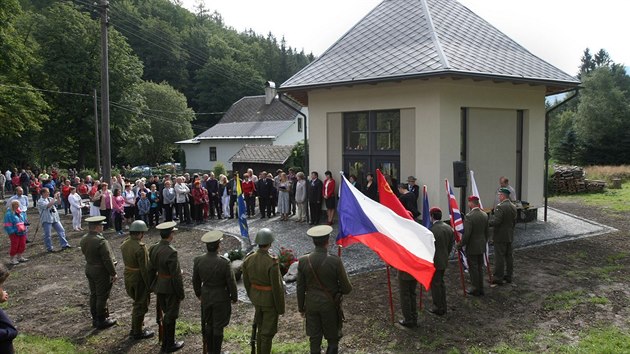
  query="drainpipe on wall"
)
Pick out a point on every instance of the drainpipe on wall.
point(546, 182)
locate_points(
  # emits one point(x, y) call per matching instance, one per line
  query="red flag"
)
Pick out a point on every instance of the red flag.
point(388, 198)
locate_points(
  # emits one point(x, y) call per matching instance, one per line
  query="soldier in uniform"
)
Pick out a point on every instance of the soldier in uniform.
point(443, 234)
point(165, 277)
point(503, 220)
point(321, 281)
point(215, 286)
point(136, 257)
point(263, 282)
point(100, 271)
point(475, 238)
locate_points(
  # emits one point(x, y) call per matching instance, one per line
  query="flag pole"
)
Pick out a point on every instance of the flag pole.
point(339, 247)
point(461, 270)
point(391, 301)
point(420, 301)
point(475, 191)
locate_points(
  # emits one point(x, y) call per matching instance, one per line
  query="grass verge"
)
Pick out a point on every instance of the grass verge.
point(25, 343)
point(611, 199)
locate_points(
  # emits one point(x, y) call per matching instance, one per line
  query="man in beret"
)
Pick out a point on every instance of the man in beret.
point(215, 286)
point(322, 280)
point(100, 271)
point(503, 220)
point(263, 283)
point(135, 256)
point(165, 277)
point(444, 238)
point(475, 238)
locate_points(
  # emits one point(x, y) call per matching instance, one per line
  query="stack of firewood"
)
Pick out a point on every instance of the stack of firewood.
point(570, 180)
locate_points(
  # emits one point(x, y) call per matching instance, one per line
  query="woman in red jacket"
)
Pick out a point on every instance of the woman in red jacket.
point(249, 192)
point(328, 192)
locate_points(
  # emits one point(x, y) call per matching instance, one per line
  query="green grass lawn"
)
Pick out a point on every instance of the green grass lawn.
point(614, 199)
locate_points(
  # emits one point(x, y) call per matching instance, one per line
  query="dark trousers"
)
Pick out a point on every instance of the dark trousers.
point(198, 213)
point(263, 205)
point(503, 260)
point(250, 202)
point(232, 202)
point(408, 300)
point(183, 212)
point(107, 213)
point(168, 212)
point(475, 269)
point(100, 286)
point(438, 292)
point(316, 211)
point(215, 204)
point(118, 221)
point(154, 216)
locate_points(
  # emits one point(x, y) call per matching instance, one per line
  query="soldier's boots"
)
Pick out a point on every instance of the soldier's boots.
point(333, 348)
point(169, 344)
point(104, 322)
point(315, 345)
point(143, 334)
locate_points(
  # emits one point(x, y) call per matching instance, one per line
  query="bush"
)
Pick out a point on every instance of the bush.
point(88, 172)
point(219, 169)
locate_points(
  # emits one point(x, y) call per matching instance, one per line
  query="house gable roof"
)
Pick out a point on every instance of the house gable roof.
point(270, 154)
point(401, 39)
point(251, 118)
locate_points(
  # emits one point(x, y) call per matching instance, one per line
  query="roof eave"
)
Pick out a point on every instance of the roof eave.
point(236, 137)
point(561, 84)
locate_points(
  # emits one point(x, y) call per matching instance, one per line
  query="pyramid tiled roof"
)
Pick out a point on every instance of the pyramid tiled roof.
point(401, 39)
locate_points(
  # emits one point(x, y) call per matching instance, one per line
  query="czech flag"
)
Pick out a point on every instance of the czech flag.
point(402, 243)
point(242, 220)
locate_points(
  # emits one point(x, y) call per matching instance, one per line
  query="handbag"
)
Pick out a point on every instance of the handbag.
point(21, 227)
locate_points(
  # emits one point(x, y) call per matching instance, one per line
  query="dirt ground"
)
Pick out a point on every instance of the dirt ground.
point(558, 292)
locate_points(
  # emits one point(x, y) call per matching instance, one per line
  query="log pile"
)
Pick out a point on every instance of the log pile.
point(570, 180)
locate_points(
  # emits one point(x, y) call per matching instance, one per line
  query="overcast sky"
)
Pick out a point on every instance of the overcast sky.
point(555, 30)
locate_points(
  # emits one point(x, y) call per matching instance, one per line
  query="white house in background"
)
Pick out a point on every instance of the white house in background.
point(252, 120)
point(418, 84)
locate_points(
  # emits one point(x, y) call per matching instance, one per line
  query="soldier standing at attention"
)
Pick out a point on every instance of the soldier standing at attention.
point(444, 239)
point(165, 276)
point(136, 257)
point(475, 238)
point(321, 281)
point(503, 220)
point(215, 286)
point(263, 282)
point(99, 270)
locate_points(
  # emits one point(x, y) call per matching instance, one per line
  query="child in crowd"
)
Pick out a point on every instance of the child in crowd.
point(144, 207)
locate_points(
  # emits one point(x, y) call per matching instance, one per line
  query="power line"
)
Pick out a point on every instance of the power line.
point(164, 119)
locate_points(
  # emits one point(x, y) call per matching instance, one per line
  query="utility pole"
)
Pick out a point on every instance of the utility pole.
point(98, 144)
point(107, 155)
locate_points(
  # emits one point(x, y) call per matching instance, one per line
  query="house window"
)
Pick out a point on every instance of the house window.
point(300, 124)
point(213, 153)
point(371, 140)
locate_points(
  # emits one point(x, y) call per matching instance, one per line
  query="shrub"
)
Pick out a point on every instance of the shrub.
point(88, 172)
point(218, 169)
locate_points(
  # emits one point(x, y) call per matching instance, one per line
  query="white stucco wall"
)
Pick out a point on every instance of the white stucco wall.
point(292, 135)
point(436, 106)
point(198, 155)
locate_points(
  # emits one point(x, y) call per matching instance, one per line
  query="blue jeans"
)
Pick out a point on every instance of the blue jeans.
point(60, 231)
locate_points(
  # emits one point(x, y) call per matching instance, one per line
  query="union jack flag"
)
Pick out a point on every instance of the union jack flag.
point(456, 221)
point(456, 216)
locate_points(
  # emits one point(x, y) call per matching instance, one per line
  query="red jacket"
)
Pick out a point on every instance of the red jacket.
point(65, 191)
point(329, 188)
point(248, 188)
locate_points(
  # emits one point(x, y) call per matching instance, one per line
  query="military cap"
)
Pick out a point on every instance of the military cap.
point(473, 198)
point(435, 209)
point(167, 226)
point(211, 236)
point(411, 179)
point(319, 231)
point(505, 191)
point(100, 220)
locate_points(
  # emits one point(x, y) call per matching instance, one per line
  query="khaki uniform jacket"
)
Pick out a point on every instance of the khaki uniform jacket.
point(444, 239)
point(165, 275)
point(136, 259)
point(98, 255)
point(213, 279)
point(503, 221)
point(475, 232)
point(332, 275)
point(262, 280)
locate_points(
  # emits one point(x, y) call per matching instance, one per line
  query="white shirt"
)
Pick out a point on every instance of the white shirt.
point(130, 198)
point(23, 202)
point(75, 200)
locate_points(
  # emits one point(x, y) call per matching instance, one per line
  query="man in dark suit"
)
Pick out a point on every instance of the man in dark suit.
point(212, 185)
point(408, 200)
point(264, 186)
point(443, 234)
point(315, 198)
point(475, 238)
point(412, 186)
point(503, 220)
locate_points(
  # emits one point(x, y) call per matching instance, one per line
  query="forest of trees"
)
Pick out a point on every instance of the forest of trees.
point(172, 75)
point(594, 128)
